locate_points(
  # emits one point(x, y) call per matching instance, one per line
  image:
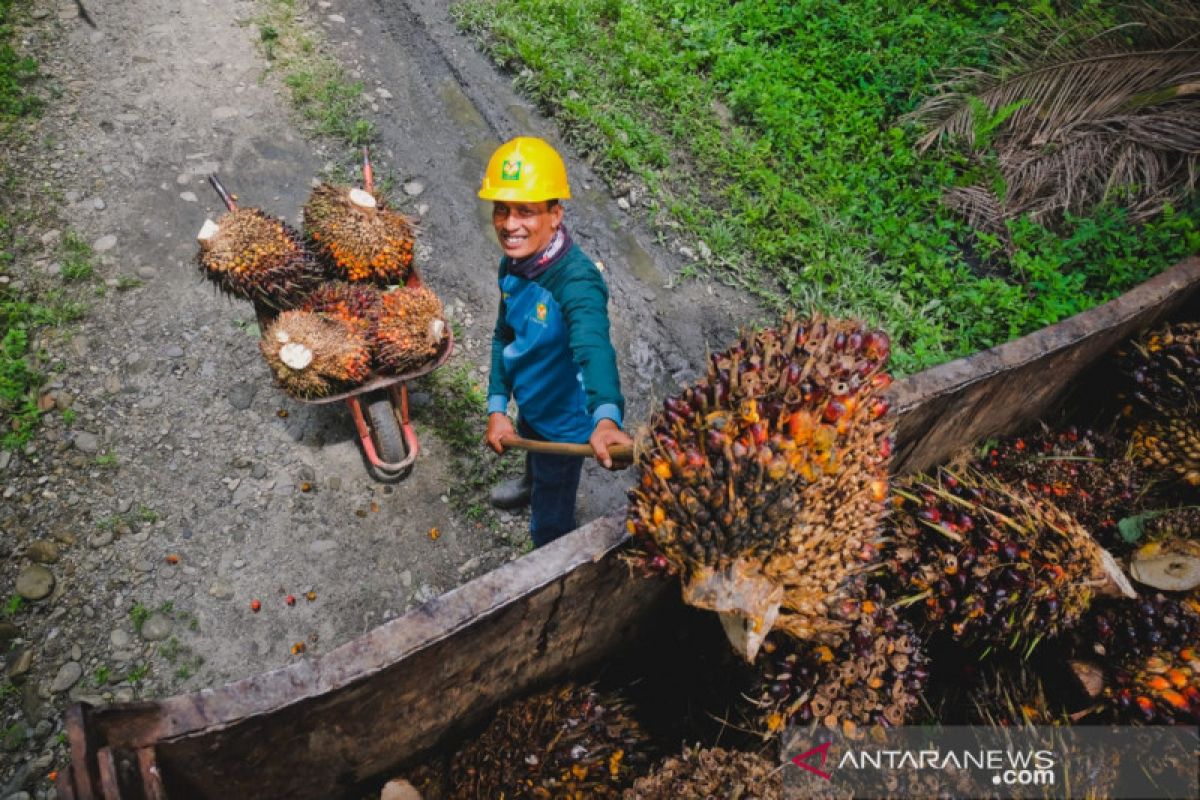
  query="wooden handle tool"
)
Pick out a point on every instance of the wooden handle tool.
point(621, 454)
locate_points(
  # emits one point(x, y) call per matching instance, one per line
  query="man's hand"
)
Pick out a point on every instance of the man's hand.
point(605, 435)
point(499, 427)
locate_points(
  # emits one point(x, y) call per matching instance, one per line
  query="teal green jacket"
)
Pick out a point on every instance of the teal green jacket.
point(551, 350)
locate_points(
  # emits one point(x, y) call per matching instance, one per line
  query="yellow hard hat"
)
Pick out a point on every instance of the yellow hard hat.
point(525, 170)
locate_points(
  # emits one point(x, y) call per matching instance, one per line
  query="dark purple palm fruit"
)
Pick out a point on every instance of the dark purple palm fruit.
point(1164, 365)
point(990, 563)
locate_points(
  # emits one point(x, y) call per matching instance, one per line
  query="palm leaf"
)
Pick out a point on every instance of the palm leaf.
point(1076, 117)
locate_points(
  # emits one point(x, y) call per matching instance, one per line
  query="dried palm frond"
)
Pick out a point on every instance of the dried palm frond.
point(1076, 117)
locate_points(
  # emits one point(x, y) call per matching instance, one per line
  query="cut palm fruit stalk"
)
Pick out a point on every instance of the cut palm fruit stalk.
point(993, 564)
point(254, 256)
point(764, 483)
point(1171, 564)
point(313, 356)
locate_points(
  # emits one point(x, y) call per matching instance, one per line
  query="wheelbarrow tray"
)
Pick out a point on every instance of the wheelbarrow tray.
point(328, 726)
point(384, 381)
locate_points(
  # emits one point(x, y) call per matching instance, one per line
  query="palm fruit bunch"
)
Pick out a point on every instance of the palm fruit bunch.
point(355, 303)
point(1171, 445)
point(567, 742)
point(1164, 365)
point(313, 356)
point(1134, 629)
point(254, 256)
point(408, 329)
point(702, 773)
point(873, 677)
point(1083, 472)
point(764, 483)
point(1182, 523)
point(358, 235)
point(992, 563)
point(1163, 688)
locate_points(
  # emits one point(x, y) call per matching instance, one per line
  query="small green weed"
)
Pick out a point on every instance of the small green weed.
point(169, 649)
point(77, 258)
point(147, 514)
point(15, 603)
point(14, 736)
point(102, 675)
point(8, 689)
point(69, 415)
point(106, 460)
point(139, 614)
point(127, 282)
point(138, 673)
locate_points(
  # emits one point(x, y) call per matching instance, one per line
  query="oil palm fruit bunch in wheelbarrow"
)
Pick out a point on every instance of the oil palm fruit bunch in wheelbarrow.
point(1082, 471)
point(254, 256)
point(873, 677)
point(763, 484)
point(313, 356)
point(570, 741)
point(1169, 445)
point(991, 563)
point(408, 329)
point(357, 235)
point(1164, 365)
point(355, 303)
point(701, 773)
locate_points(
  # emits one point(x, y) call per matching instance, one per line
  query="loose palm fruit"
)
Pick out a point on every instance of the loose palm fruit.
point(763, 483)
point(710, 772)
point(358, 235)
point(409, 329)
point(356, 303)
point(257, 257)
point(992, 563)
point(1125, 630)
point(312, 356)
point(1163, 688)
point(1164, 365)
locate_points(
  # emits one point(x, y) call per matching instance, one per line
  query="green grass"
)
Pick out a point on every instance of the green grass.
point(769, 132)
point(138, 615)
point(102, 675)
point(15, 603)
point(16, 74)
point(324, 96)
point(77, 258)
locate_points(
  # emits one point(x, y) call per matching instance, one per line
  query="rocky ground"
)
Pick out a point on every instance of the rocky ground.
point(172, 484)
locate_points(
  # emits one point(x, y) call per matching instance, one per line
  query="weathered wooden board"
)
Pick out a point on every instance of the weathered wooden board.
point(319, 727)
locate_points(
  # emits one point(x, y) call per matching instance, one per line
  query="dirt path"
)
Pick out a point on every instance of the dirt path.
point(181, 448)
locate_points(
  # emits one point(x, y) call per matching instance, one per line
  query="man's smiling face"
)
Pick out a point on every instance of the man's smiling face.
point(525, 228)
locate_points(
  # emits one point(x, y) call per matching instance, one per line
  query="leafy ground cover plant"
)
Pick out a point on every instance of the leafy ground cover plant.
point(771, 132)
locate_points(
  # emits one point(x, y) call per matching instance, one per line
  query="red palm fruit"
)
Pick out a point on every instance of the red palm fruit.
point(358, 235)
point(257, 257)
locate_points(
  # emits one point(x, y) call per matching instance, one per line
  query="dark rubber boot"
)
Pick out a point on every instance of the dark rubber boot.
point(512, 493)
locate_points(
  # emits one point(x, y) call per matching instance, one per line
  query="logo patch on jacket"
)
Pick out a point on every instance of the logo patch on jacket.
point(510, 170)
point(541, 312)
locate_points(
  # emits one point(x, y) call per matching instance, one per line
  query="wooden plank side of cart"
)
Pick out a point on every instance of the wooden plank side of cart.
point(317, 728)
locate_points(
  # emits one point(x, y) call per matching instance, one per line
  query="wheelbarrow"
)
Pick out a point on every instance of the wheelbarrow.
point(379, 406)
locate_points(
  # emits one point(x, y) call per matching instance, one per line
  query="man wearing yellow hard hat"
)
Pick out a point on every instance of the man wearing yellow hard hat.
point(550, 348)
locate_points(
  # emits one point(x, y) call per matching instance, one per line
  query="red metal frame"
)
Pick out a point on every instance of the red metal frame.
point(399, 394)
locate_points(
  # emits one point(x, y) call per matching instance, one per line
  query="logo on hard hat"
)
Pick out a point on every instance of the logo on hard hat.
point(510, 170)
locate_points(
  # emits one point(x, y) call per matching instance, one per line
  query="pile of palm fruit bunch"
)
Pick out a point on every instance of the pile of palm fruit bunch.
point(566, 742)
point(254, 256)
point(1163, 366)
point(355, 246)
point(873, 677)
point(991, 563)
point(358, 236)
point(764, 483)
point(700, 773)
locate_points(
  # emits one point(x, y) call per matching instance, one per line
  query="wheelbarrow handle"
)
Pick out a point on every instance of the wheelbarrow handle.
point(621, 454)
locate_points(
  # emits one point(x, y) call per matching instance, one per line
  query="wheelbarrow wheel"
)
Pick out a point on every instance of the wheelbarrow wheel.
point(385, 429)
